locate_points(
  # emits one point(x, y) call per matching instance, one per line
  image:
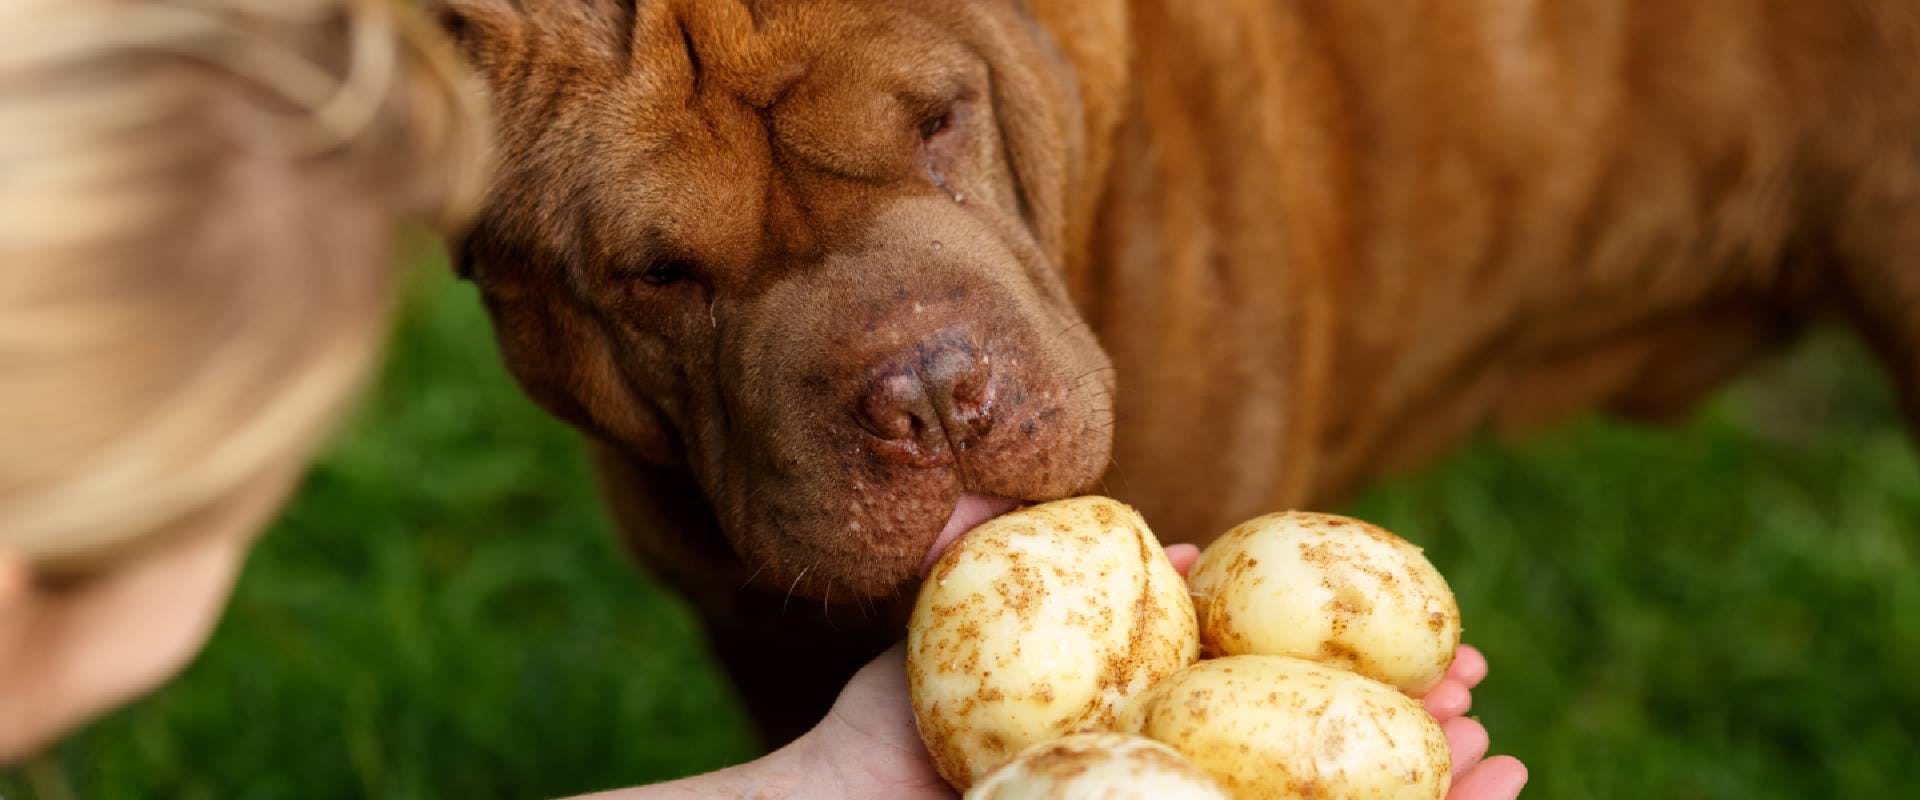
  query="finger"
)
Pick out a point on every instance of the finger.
point(1182, 556)
point(1469, 666)
point(1467, 740)
point(1497, 778)
point(1448, 700)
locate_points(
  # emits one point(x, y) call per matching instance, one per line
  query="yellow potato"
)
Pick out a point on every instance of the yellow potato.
point(1329, 589)
point(1041, 623)
point(1281, 727)
point(1098, 766)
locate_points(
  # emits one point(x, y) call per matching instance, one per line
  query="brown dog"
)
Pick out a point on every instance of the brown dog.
point(807, 272)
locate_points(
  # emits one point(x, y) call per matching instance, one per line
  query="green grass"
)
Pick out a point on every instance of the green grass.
point(1722, 609)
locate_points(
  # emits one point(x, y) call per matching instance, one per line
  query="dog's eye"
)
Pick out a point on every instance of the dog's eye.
point(670, 271)
point(932, 126)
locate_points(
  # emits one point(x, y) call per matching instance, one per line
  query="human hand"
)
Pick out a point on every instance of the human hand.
point(866, 747)
point(1496, 778)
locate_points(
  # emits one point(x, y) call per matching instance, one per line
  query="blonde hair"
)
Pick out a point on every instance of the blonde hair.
point(194, 277)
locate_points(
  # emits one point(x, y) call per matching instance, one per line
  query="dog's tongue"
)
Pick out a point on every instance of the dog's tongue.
point(972, 510)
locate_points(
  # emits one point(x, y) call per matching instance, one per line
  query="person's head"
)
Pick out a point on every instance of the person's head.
point(196, 199)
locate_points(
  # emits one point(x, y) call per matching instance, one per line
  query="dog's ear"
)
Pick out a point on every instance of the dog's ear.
point(1058, 75)
point(1094, 37)
point(472, 26)
point(494, 34)
point(473, 23)
point(552, 346)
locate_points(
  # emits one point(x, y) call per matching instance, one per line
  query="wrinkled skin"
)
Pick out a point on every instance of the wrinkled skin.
point(804, 271)
point(835, 329)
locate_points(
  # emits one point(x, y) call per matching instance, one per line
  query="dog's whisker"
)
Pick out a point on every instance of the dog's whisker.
point(1088, 379)
point(755, 574)
point(1076, 391)
point(796, 584)
point(1082, 377)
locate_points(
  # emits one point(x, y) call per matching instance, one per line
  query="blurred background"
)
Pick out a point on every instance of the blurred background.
point(1726, 608)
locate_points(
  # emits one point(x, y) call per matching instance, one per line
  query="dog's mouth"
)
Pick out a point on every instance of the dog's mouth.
point(968, 513)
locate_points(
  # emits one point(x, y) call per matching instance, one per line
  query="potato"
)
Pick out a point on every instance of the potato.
point(1329, 589)
point(1281, 727)
point(1098, 766)
point(1041, 623)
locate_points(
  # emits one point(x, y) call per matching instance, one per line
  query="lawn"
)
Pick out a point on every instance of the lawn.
point(1722, 609)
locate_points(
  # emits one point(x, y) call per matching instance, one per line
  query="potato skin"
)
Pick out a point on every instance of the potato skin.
point(1330, 589)
point(1098, 766)
point(1282, 727)
point(1041, 623)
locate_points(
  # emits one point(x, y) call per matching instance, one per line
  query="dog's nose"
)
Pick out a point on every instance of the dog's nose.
point(930, 401)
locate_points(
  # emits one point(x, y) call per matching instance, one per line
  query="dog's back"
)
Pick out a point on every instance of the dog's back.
point(1488, 214)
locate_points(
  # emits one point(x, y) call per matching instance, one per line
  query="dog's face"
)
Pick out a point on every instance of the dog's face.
point(810, 250)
